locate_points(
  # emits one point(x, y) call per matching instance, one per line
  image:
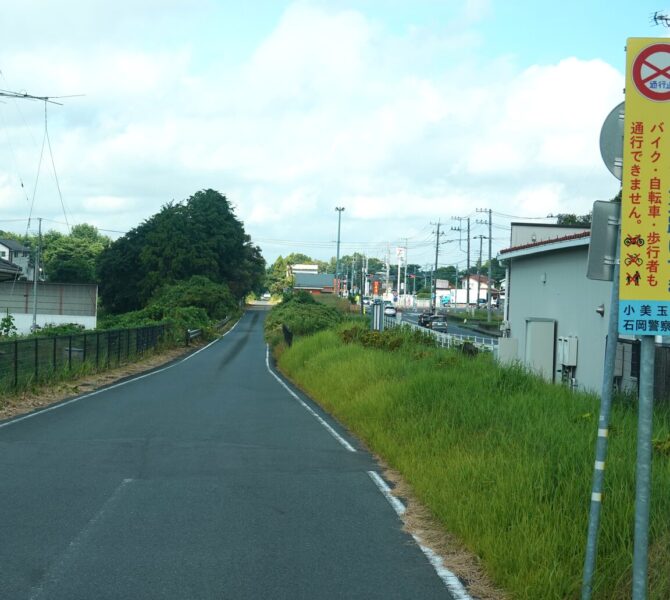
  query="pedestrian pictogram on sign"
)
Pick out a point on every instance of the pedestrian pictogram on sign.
point(651, 72)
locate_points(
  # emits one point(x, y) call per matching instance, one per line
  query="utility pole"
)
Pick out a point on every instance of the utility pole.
point(388, 267)
point(467, 268)
point(36, 271)
point(339, 210)
point(479, 266)
point(433, 282)
point(489, 222)
point(405, 290)
point(398, 256)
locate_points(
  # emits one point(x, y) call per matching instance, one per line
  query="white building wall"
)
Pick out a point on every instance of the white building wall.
point(553, 285)
point(23, 322)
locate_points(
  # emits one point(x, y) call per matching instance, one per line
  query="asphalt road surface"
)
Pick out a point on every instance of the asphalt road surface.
point(204, 480)
point(413, 317)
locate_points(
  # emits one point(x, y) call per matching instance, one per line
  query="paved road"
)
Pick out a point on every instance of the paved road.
point(413, 317)
point(206, 480)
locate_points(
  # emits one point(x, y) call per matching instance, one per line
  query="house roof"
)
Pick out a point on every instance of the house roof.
point(313, 280)
point(475, 277)
point(14, 245)
point(558, 243)
point(8, 270)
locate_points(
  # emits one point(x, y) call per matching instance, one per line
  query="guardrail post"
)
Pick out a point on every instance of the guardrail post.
point(16, 363)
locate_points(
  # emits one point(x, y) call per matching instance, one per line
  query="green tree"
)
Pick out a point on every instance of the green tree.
point(200, 236)
point(277, 280)
point(572, 219)
point(72, 258)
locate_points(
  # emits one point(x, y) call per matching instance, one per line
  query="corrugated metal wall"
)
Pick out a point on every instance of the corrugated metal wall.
point(52, 298)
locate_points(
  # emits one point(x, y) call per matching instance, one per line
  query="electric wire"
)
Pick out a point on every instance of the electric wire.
point(53, 164)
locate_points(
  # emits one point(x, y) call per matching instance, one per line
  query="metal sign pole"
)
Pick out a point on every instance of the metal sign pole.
point(643, 467)
point(602, 439)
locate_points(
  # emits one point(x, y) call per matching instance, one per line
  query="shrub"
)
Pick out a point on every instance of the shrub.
point(200, 292)
point(302, 315)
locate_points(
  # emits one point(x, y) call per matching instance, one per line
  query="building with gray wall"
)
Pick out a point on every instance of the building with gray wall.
point(57, 303)
point(555, 318)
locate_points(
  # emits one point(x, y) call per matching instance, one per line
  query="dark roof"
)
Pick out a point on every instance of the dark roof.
point(314, 281)
point(14, 245)
point(563, 238)
point(8, 270)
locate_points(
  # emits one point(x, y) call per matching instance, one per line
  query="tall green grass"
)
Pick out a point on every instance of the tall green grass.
point(502, 459)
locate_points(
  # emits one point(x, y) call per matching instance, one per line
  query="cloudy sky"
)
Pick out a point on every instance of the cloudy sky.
point(404, 113)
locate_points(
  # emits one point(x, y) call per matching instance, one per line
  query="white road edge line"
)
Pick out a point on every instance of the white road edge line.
point(111, 387)
point(452, 582)
point(308, 408)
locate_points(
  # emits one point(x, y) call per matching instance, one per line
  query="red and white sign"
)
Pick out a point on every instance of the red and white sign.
point(651, 72)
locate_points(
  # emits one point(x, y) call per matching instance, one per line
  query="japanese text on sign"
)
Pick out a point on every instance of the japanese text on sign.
point(644, 307)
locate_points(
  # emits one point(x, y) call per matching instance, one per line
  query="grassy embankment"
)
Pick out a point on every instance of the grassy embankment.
point(503, 460)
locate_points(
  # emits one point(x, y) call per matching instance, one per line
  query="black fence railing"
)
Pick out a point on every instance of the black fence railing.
point(34, 360)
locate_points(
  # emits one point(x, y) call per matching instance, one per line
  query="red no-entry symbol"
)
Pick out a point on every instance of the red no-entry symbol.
point(651, 72)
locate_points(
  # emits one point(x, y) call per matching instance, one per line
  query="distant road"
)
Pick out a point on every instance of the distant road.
point(413, 317)
point(205, 480)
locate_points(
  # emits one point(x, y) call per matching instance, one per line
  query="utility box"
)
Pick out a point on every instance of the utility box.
point(567, 351)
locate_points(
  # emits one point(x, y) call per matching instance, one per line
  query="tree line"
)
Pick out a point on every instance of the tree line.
point(419, 277)
point(199, 237)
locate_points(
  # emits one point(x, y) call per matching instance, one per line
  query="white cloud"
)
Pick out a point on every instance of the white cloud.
point(329, 108)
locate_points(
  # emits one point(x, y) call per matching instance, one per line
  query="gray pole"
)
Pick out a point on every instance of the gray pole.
point(643, 467)
point(488, 308)
point(603, 425)
point(399, 269)
point(467, 293)
point(479, 269)
point(405, 290)
point(433, 282)
point(339, 210)
point(36, 270)
point(388, 267)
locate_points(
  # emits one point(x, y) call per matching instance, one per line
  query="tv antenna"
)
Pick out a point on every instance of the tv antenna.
point(659, 18)
point(26, 96)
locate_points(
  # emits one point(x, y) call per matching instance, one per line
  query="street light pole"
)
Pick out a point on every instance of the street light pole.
point(339, 210)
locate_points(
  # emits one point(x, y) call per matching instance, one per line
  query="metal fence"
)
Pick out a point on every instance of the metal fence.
point(448, 340)
point(33, 360)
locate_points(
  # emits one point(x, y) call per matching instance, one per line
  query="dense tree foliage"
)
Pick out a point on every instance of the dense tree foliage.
point(65, 258)
point(200, 236)
point(198, 291)
point(572, 219)
point(72, 258)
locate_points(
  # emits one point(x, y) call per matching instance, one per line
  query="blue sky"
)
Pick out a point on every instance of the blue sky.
point(405, 113)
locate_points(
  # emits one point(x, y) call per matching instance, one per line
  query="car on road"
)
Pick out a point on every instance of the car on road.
point(424, 319)
point(389, 309)
point(438, 323)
